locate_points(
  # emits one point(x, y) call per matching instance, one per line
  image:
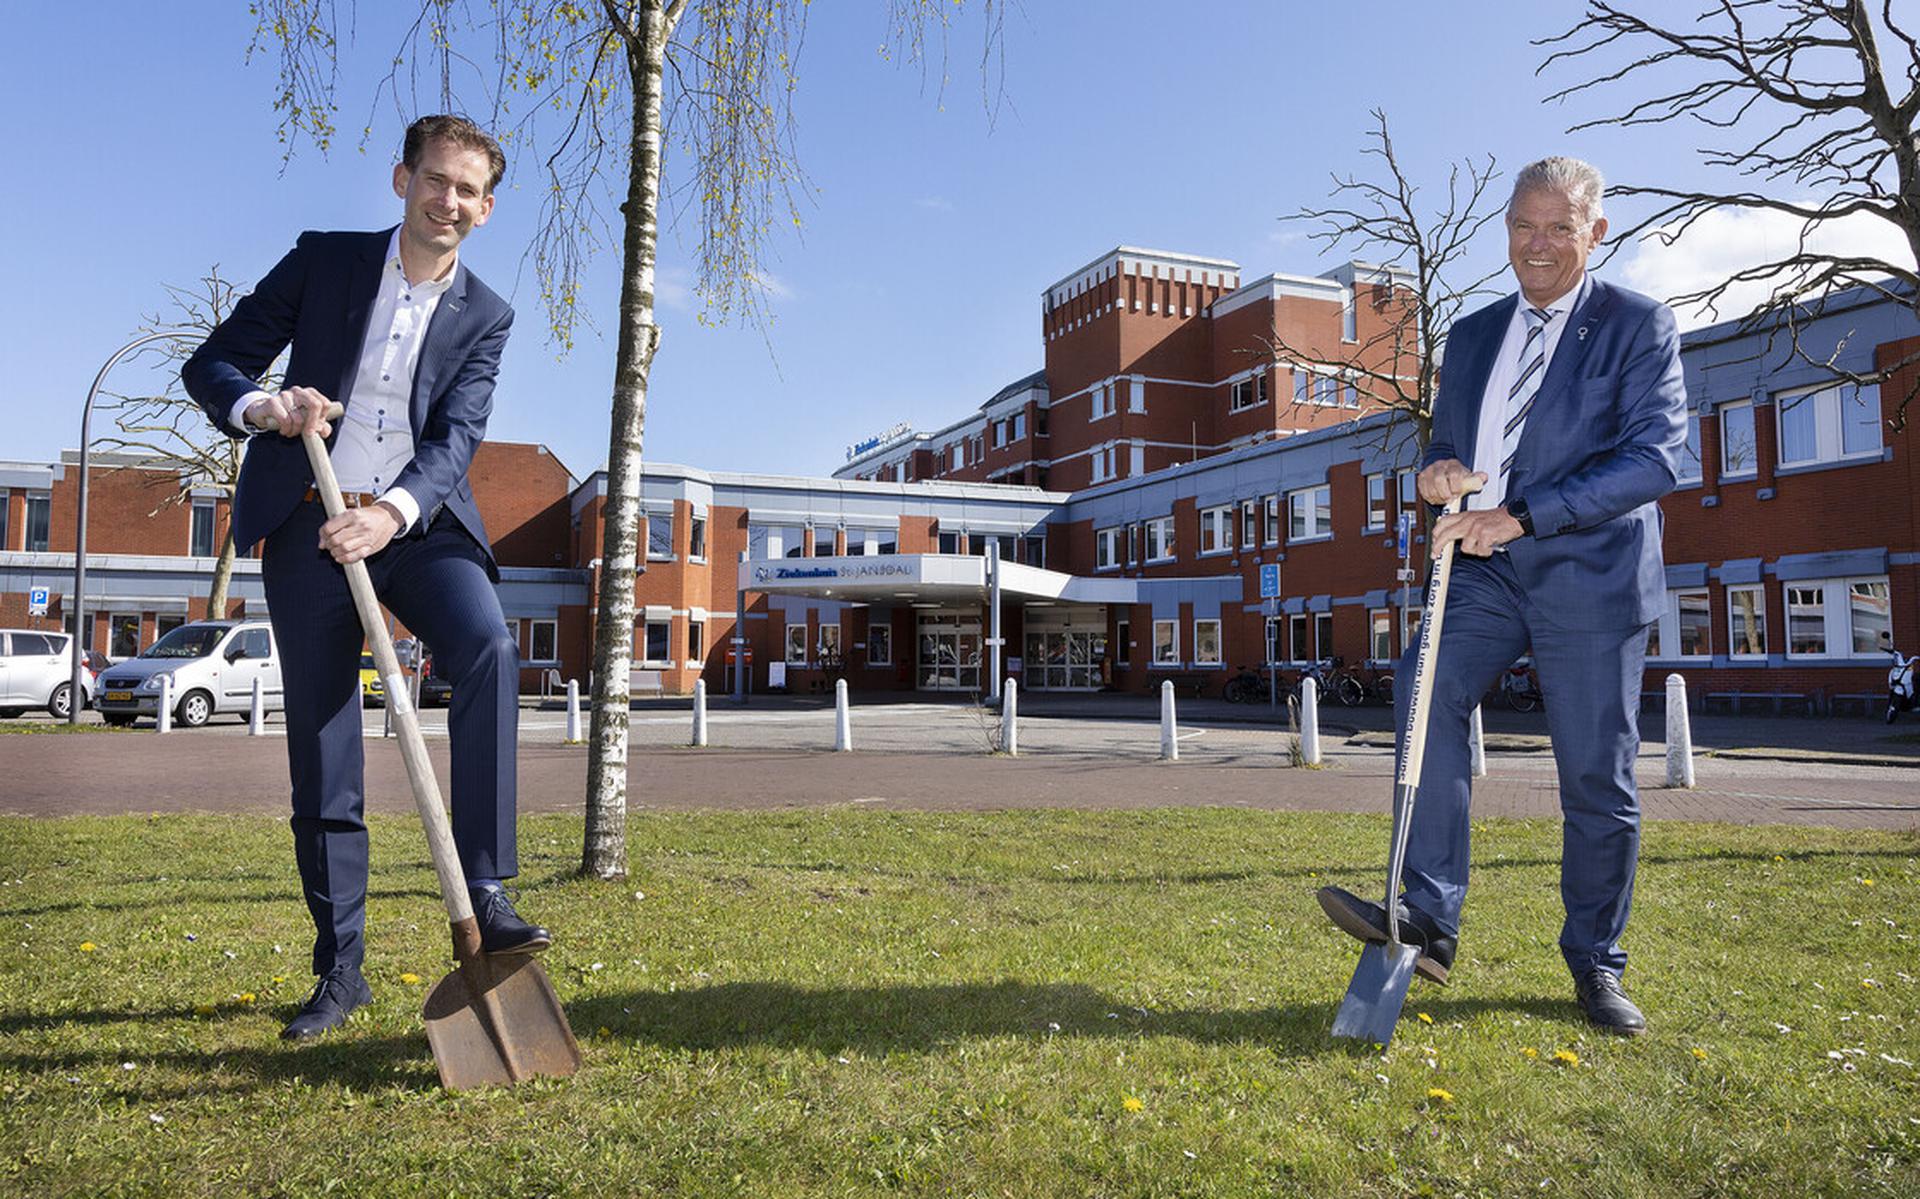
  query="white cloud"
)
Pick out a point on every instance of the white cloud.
point(934, 203)
point(1728, 240)
point(673, 287)
point(774, 286)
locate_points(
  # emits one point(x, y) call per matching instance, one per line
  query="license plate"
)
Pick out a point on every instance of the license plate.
point(119, 697)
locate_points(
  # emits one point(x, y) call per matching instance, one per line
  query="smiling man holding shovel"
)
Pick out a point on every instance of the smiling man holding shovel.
point(392, 326)
point(1566, 399)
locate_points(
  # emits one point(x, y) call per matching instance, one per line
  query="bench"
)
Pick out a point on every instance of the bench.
point(643, 682)
point(1869, 703)
point(1192, 684)
point(1778, 701)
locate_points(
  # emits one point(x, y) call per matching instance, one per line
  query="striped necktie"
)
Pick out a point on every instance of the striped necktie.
point(1526, 385)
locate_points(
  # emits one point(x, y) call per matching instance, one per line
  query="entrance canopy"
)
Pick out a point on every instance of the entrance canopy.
point(928, 578)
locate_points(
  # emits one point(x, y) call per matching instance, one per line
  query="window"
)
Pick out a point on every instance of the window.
point(1166, 643)
point(1275, 626)
point(123, 636)
point(1040, 422)
point(1273, 519)
point(1106, 549)
point(1739, 454)
point(757, 541)
point(659, 642)
point(1216, 530)
point(5, 518)
point(39, 521)
point(659, 535)
point(1685, 629)
point(1302, 384)
point(999, 433)
point(545, 641)
point(825, 541)
point(1299, 648)
point(1747, 622)
point(1376, 502)
point(200, 540)
point(1206, 643)
point(829, 642)
point(1018, 432)
point(696, 641)
point(1326, 390)
point(1323, 634)
point(1133, 544)
point(1410, 626)
point(1103, 464)
point(1250, 525)
point(1160, 539)
point(950, 543)
point(1409, 489)
point(1036, 548)
point(957, 455)
point(1123, 642)
point(1690, 453)
point(697, 539)
point(1380, 645)
point(797, 644)
point(1837, 617)
point(1310, 513)
point(1249, 392)
point(1349, 392)
point(1829, 424)
point(880, 645)
point(1102, 399)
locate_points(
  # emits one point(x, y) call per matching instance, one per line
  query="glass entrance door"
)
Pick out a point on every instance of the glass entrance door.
point(949, 653)
point(1064, 660)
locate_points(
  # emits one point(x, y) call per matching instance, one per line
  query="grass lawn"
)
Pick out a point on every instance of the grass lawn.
point(55, 727)
point(842, 1002)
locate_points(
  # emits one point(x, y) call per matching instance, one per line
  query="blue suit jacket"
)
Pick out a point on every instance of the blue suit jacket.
point(317, 299)
point(1601, 446)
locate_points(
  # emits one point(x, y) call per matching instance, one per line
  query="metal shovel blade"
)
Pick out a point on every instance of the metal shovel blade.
point(1377, 993)
point(495, 1021)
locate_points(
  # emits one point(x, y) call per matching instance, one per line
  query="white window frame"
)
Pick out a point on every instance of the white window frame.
point(1248, 392)
point(1379, 624)
point(1752, 468)
point(1307, 501)
point(1133, 544)
point(796, 648)
point(1299, 637)
point(1159, 545)
point(1018, 432)
point(696, 643)
point(533, 640)
point(646, 643)
point(1106, 548)
point(1376, 509)
point(697, 539)
point(1271, 505)
point(1322, 636)
point(1172, 655)
point(1100, 397)
point(1201, 657)
point(1836, 616)
point(1216, 531)
point(1666, 630)
point(1250, 525)
point(44, 501)
point(1692, 470)
point(1759, 592)
point(647, 532)
point(828, 640)
point(1828, 403)
point(213, 526)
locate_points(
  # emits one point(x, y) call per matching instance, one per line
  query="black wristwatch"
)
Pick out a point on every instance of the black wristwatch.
point(1517, 508)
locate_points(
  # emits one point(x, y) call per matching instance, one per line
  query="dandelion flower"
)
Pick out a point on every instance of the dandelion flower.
point(1566, 1057)
point(1133, 1104)
point(1441, 1094)
point(1778, 858)
point(605, 1032)
point(88, 947)
point(410, 979)
point(245, 997)
point(1529, 1053)
point(1700, 1053)
point(1866, 882)
point(1425, 1019)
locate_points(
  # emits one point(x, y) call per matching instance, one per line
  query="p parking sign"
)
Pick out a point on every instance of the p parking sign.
point(38, 599)
point(1270, 581)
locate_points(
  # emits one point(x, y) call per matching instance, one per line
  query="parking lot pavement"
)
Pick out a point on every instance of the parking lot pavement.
point(936, 756)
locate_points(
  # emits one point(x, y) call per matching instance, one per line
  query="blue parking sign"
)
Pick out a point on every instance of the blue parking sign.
point(1406, 528)
point(37, 600)
point(1270, 581)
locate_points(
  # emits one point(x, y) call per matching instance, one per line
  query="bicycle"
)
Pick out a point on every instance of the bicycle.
point(1520, 687)
point(1333, 681)
point(1247, 687)
point(1378, 687)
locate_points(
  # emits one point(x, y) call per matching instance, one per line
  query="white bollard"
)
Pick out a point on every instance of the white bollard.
point(1309, 721)
point(163, 706)
point(386, 711)
point(573, 711)
point(1010, 718)
point(1679, 734)
point(1476, 744)
point(842, 726)
point(257, 715)
point(699, 712)
point(1169, 741)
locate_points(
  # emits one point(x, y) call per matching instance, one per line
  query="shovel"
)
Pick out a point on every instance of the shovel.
point(492, 1020)
point(1378, 991)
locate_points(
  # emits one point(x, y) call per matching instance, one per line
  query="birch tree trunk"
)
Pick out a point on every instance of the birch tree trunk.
point(605, 852)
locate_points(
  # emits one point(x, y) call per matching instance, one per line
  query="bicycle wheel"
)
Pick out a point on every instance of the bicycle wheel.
point(1383, 689)
point(1523, 696)
point(1347, 691)
point(1235, 691)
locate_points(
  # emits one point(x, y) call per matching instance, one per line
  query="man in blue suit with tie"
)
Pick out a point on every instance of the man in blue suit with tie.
point(1566, 399)
point(396, 328)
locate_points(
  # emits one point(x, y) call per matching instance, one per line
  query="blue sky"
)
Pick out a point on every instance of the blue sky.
point(144, 152)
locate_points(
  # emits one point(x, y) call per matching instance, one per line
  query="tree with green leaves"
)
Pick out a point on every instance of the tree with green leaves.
point(597, 93)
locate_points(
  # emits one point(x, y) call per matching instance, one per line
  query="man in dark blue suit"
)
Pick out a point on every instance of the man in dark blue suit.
point(394, 326)
point(1567, 401)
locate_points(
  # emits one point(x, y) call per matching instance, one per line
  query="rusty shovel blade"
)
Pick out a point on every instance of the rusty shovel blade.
point(1378, 992)
point(495, 1021)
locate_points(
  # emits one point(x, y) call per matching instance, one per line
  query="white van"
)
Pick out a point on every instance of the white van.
point(213, 664)
point(37, 672)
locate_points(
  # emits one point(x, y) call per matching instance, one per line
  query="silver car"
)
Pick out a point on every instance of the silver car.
point(36, 671)
point(212, 665)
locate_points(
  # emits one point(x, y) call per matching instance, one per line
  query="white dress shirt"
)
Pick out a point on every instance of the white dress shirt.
point(375, 440)
point(1506, 368)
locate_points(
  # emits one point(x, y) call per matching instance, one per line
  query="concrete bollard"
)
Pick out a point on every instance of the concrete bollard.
point(1010, 718)
point(699, 712)
point(1169, 741)
point(1309, 721)
point(573, 711)
point(163, 706)
point(842, 725)
point(257, 714)
point(1476, 744)
point(1679, 734)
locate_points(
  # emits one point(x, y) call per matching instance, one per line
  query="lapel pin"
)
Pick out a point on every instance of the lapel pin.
point(1583, 333)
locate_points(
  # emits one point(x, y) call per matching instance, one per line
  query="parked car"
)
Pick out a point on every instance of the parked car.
point(212, 663)
point(373, 692)
point(436, 691)
point(36, 671)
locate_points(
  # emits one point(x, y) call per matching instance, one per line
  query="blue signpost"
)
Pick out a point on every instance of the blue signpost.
point(1270, 602)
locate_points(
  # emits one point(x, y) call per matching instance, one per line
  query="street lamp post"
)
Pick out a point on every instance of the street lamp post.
point(76, 696)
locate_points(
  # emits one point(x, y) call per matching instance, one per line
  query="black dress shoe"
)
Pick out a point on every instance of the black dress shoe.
point(1368, 921)
point(501, 929)
point(334, 998)
point(1606, 1004)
